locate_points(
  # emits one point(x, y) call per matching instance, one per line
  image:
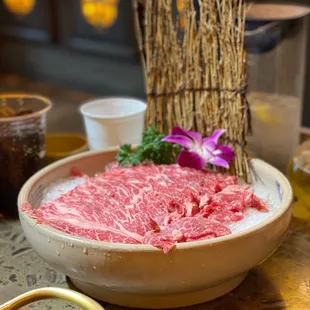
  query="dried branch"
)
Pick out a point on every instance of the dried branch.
point(196, 75)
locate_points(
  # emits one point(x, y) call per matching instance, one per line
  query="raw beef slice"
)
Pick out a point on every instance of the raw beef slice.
point(158, 205)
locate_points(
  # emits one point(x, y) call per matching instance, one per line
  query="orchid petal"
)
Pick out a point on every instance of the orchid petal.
point(178, 131)
point(196, 136)
point(191, 160)
point(215, 136)
point(209, 145)
point(226, 153)
point(218, 161)
point(179, 139)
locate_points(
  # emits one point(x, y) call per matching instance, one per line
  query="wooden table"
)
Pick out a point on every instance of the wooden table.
point(282, 282)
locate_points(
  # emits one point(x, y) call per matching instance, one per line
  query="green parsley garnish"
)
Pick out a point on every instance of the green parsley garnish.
point(152, 149)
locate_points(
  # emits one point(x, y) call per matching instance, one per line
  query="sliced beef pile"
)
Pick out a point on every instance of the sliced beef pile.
point(157, 205)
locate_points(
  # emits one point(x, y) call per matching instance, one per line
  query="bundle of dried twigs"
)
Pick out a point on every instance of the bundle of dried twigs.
point(196, 75)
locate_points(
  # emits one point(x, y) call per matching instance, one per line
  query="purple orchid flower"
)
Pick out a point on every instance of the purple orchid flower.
point(198, 151)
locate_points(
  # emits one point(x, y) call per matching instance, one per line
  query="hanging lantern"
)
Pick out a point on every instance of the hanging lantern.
point(20, 7)
point(100, 13)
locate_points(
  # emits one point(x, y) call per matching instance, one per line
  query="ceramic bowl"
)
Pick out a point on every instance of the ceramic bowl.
point(272, 11)
point(61, 145)
point(141, 276)
point(268, 24)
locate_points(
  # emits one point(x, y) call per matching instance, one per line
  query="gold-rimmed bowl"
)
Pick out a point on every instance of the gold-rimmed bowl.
point(51, 293)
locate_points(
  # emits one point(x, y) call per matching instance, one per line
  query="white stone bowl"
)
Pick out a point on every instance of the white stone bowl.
point(141, 276)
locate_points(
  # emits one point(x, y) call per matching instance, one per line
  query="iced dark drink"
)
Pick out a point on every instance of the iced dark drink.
point(22, 145)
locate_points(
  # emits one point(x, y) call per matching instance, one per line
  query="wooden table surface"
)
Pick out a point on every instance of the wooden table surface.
point(282, 282)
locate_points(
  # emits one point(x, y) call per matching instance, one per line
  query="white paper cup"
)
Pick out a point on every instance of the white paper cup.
point(113, 121)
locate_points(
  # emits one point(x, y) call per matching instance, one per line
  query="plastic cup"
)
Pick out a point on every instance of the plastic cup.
point(22, 145)
point(111, 122)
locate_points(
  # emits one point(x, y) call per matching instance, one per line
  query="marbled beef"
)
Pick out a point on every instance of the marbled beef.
point(157, 205)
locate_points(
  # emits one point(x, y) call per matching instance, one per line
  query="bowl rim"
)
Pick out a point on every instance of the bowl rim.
point(104, 245)
point(304, 10)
